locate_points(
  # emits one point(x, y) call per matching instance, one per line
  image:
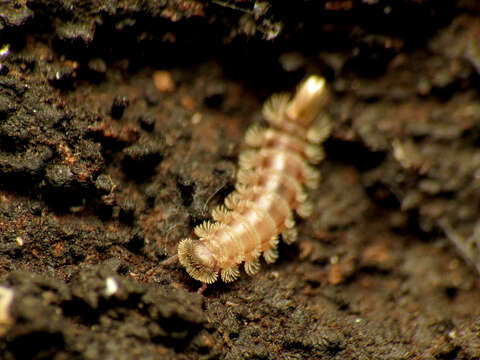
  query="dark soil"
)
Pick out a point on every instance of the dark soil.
point(120, 127)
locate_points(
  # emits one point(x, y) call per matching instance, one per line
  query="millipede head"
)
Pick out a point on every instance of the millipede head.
point(198, 261)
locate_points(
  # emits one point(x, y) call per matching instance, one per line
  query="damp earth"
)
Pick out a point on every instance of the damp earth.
point(121, 123)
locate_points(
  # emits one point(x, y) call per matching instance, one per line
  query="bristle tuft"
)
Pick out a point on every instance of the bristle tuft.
point(275, 107)
point(290, 236)
point(252, 267)
point(255, 135)
point(191, 264)
point(305, 209)
point(230, 274)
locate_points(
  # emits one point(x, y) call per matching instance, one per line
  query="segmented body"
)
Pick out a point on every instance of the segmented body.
point(269, 188)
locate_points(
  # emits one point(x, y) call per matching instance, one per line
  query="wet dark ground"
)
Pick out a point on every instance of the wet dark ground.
point(120, 127)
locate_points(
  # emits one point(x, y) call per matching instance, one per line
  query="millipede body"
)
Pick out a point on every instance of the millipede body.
point(269, 187)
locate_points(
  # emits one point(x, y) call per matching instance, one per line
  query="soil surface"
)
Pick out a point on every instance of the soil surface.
point(120, 127)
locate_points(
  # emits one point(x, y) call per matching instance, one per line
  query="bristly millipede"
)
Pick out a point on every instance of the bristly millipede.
point(269, 187)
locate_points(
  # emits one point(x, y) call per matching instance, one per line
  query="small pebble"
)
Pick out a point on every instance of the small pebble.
point(120, 103)
point(111, 286)
point(147, 122)
point(104, 184)
point(163, 81)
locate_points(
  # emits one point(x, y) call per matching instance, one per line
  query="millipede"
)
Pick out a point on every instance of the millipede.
point(273, 172)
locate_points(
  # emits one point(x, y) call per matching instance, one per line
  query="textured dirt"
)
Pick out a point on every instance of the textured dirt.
point(120, 127)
